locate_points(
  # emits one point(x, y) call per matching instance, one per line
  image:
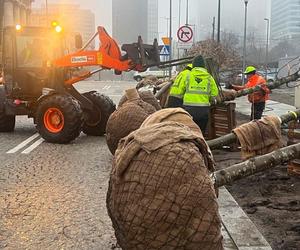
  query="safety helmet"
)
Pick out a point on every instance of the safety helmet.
point(189, 66)
point(249, 69)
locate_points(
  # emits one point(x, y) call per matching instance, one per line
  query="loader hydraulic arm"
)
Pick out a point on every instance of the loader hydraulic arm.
point(107, 56)
point(138, 56)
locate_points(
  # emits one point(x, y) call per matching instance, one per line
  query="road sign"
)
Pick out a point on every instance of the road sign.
point(185, 34)
point(165, 51)
point(166, 40)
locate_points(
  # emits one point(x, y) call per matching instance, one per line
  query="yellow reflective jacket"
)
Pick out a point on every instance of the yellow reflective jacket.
point(199, 88)
point(178, 83)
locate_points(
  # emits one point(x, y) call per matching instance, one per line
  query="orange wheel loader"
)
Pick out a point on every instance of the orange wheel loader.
point(37, 81)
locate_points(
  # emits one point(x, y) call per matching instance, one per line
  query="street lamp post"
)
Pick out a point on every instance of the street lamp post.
point(187, 13)
point(46, 12)
point(179, 14)
point(179, 24)
point(219, 21)
point(245, 37)
point(170, 37)
point(267, 47)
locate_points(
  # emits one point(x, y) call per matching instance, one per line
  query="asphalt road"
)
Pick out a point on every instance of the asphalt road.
point(53, 196)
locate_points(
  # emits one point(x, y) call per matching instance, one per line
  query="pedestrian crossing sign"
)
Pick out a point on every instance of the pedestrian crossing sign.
point(165, 51)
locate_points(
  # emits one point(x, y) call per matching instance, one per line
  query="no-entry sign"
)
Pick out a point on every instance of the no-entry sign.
point(185, 34)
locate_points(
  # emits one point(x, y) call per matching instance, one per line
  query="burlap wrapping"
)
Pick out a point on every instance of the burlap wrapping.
point(227, 95)
point(124, 120)
point(173, 114)
point(160, 194)
point(259, 137)
point(149, 81)
point(146, 96)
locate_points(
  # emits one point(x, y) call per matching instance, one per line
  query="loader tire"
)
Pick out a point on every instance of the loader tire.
point(95, 124)
point(7, 122)
point(59, 119)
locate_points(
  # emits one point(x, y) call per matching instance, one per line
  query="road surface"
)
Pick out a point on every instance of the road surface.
point(51, 196)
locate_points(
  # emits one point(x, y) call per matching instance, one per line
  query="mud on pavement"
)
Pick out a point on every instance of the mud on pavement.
point(270, 199)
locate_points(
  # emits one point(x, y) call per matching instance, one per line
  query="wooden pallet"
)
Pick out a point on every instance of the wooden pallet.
point(294, 167)
point(222, 120)
point(294, 137)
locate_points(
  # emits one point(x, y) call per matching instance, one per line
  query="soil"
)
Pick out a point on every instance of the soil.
point(271, 200)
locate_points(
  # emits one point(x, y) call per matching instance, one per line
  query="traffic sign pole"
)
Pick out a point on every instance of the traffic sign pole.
point(170, 69)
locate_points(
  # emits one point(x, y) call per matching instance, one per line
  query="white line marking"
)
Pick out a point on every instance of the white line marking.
point(23, 144)
point(108, 87)
point(33, 146)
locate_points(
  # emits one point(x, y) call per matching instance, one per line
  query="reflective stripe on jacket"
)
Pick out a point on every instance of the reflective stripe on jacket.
point(257, 96)
point(199, 88)
point(180, 80)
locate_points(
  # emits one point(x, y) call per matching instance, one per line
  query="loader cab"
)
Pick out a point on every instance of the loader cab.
point(27, 56)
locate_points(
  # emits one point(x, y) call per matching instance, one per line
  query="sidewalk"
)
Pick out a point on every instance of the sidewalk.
point(238, 230)
point(272, 107)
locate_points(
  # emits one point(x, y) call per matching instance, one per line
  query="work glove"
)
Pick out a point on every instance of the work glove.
point(213, 100)
point(228, 86)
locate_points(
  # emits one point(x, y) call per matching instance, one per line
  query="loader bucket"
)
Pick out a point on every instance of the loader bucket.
point(142, 55)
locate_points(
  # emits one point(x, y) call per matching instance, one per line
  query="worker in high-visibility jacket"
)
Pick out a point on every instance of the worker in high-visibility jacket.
point(175, 97)
point(198, 92)
point(257, 99)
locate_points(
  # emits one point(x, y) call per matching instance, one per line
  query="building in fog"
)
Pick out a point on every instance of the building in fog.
point(133, 18)
point(71, 17)
point(13, 12)
point(152, 20)
point(285, 19)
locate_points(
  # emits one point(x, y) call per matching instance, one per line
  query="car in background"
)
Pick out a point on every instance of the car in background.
point(153, 71)
point(271, 76)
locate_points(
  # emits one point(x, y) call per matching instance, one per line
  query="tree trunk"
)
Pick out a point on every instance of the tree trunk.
point(257, 88)
point(243, 92)
point(256, 165)
point(231, 138)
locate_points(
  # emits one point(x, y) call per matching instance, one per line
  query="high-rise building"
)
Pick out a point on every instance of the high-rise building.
point(13, 12)
point(133, 18)
point(152, 20)
point(285, 19)
point(71, 17)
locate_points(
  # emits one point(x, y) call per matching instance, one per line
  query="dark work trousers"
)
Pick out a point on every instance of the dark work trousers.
point(257, 110)
point(200, 115)
point(174, 102)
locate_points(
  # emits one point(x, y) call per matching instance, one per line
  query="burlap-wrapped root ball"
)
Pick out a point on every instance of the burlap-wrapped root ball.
point(178, 115)
point(160, 193)
point(149, 81)
point(126, 119)
point(146, 96)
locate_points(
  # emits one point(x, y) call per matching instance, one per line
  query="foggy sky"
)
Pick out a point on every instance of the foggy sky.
point(232, 14)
